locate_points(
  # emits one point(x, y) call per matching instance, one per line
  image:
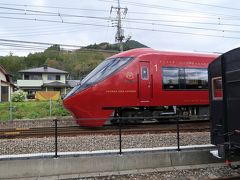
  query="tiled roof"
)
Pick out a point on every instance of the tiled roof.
point(73, 83)
point(6, 74)
point(43, 70)
point(3, 70)
point(55, 84)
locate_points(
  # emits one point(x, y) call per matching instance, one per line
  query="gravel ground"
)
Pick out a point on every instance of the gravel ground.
point(43, 122)
point(175, 174)
point(99, 142)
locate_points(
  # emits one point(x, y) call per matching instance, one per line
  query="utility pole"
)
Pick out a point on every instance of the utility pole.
point(119, 37)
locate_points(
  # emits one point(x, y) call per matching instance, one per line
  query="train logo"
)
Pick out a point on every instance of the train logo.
point(129, 75)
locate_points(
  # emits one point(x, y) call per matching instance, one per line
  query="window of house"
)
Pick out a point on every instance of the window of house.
point(217, 88)
point(32, 76)
point(57, 77)
point(26, 77)
point(53, 77)
point(36, 77)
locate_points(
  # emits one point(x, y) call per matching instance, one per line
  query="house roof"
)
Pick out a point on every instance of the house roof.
point(43, 70)
point(73, 83)
point(7, 75)
point(55, 84)
point(4, 71)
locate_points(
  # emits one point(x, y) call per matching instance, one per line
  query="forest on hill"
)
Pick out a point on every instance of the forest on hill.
point(78, 63)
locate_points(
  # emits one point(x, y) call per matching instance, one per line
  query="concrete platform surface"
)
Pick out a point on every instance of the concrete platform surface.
point(73, 165)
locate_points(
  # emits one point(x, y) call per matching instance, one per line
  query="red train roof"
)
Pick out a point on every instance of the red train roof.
point(141, 51)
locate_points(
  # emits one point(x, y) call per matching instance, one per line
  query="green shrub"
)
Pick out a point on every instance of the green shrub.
point(18, 115)
point(32, 110)
point(33, 115)
point(19, 96)
point(59, 110)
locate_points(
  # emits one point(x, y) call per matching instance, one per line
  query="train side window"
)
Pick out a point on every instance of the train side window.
point(196, 78)
point(145, 74)
point(217, 88)
point(170, 78)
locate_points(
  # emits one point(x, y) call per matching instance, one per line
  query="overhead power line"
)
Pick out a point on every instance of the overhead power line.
point(48, 32)
point(204, 4)
point(39, 43)
point(156, 6)
point(186, 27)
point(102, 25)
point(53, 7)
point(107, 18)
point(102, 10)
point(145, 5)
point(47, 13)
point(136, 28)
point(52, 21)
point(43, 45)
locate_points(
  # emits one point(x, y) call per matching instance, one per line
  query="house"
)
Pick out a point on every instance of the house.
point(43, 79)
point(6, 85)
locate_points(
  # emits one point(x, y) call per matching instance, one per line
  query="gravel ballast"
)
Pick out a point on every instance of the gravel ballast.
point(99, 142)
point(110, 142)
point(198, 172)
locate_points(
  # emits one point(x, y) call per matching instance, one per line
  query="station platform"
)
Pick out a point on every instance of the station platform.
point(84, 164)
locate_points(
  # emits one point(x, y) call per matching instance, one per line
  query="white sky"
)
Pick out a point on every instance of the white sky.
point(151, 22)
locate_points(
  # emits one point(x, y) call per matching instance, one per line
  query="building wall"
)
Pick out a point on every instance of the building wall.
point(2, 76)
point(38, 83)
point(0, 90)
point(29, 83)
point(9, 89)
point(2, 80)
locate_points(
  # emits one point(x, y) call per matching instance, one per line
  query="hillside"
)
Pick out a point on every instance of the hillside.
point(78, 63)
point(131, 44)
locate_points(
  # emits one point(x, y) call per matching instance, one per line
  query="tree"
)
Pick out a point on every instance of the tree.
point(12, 64)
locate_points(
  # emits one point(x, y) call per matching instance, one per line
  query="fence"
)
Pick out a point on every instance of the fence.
point(68, 143)
point(31, 109)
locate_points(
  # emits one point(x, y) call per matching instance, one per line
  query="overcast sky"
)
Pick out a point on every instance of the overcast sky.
point(178, 25)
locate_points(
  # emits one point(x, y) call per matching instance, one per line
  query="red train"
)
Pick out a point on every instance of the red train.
point(142, 82)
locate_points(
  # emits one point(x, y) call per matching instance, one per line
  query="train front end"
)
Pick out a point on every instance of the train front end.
point(87, 101)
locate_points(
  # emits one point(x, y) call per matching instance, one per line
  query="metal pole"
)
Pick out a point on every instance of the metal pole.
point(119, 28)
point(10, 104)
point(50, 108)
point(120, 133)
point(56, 137)
point(119, 117)
point(178, 138)
point(10, 109)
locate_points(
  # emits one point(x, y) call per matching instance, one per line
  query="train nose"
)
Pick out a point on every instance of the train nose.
point(67, 103)
point(84, 113)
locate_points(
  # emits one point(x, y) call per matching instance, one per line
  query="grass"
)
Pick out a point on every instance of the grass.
point(31, 110)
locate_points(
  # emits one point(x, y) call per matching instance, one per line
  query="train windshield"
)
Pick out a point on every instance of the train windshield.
point(103, 70)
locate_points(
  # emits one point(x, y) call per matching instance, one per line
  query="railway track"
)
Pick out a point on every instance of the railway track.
point(228, 178)
point(106, 130)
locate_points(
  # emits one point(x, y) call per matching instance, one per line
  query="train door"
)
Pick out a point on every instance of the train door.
point(145, 84)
